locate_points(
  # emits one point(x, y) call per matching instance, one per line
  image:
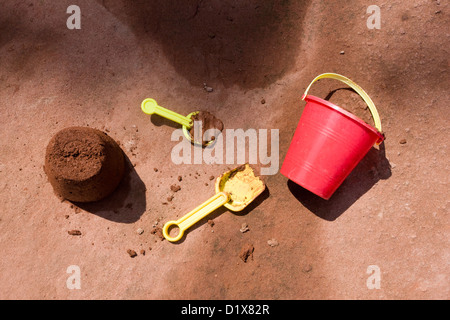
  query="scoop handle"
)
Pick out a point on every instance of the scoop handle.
point(187, 221)
point(150, 106)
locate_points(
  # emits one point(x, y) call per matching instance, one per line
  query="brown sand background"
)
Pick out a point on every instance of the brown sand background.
point(392, 212)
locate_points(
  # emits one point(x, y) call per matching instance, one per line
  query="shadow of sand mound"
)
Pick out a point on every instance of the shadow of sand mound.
point(126, 204)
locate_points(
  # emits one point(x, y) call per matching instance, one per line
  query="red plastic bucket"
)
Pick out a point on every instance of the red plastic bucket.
point(329, 142)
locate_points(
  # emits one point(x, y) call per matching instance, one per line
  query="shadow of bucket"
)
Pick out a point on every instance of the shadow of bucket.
point(329, 142)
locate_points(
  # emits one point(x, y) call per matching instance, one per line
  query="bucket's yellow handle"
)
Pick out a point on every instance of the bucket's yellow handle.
point(357, 88)
point(187, 221)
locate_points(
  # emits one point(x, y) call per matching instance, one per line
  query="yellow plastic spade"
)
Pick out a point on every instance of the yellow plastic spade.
point(235, 189)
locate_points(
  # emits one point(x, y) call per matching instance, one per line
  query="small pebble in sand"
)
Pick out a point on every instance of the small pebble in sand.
point(403, 141)
point(272, 242)
point(307, 268)
point(244, 228)
point(74, 232)
point(246, 252)
point(207, 88)
point(140, 231)
point(175, 188)
point(158, 232)
point(132, 253)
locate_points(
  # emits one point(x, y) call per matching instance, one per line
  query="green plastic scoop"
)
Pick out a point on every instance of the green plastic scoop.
point(150, 106)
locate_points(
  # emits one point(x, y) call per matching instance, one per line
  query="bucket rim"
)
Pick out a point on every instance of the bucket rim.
point(347, 114)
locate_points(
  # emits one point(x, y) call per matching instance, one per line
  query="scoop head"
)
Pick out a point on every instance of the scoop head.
point(149, 106)
point(242, 185)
